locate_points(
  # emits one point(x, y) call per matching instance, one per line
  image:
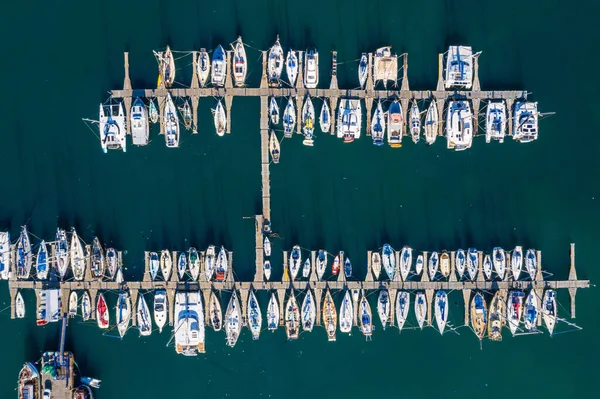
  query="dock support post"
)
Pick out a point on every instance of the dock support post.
point(244, 289)
point(480, 266)
point(88, 264)
point(171, 304)
point(572, 277)
point(318, 296)
point(229, 277)
point(368, 107)
point(264, 81)
point(539, 284)
point(228, 105)
point(334, 83)
point(440, 82)
point(404, 104)
point(369, 276)
point(509, 112)
point(174, 261)
point(466, 298)
point(300, 79)
point(281, 297)
point(370, 85)
point(342, 274)
point(13, 300)
point(286, 271)
point(476, 85)
point(127, 88)
point(313, 267)
point(392, 298)
point(206, 293)
point(299, 105)
point(404, 87)
point(452, 266)
point(134, 298)
point(259, 262)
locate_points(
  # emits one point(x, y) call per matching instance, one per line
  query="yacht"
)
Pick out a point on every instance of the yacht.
point(275, 64)
point(166, 68)
point(219, 67)
point(441, 310)
point(459, 125)
point(499, 261)
point(274, 111)
point(421, 308)
point(209, 262)
point(292, 318)
point(549, 310)
point(388, 258)
point(203, 67)
point(42, 261)
point(531, 311)
point(495, 121)
point(349, 120)
point(308, 122)
point(97, 261)
point(525, 122)
point(516, 262)
point(378, 125)
point(472, 263)
point(311, 69)
point(295, 261)
point(274, 147)
point(395, 122)
point(171, 121)
point(405, 262)
point(289, 119)
point(321, 263)
point(194, 263)
point(376, 264)
point(166, 264)
point(459, 68)
point(431, 123)
point(140, 128)
point(291, 67)
point(113, 129)
point(240, 63)
point(62, 252)
point(415, 122)
point(189, 323)
point(461, 262)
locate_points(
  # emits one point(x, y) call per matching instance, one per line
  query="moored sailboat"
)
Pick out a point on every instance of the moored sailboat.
point(188, 327)
point(487, 266)
point(378, 125)
point(405, 262)
point(365, 317)
point(497, 317)
point(166, 68)
point(111, 262)
point(292, 317)
point(233, 325)
point(514, 309)
point(112, 125)
point(346, 313)
point(295, 260)
point(219, 67)
point(531, 311)
point(349, 120)
point(395, 123)
point(321, 263)
point(525, 122)
point(516, 262)
point(388, 259)
point(254, 316)
point(144, 321)
point(459, 68)
point(478, 315)
point(166, 264)
point(97, 261)
point(363, 72)
point(73, 303)
point(421, 308)
point(274, 147)
point(86, 306)
point(77, 257)
point(42, 261)
point(194, 263)
point(275, 64)
point(531, 263)
point(445, 264)
point(19, 306)
point(220, 119)
point(309, 314)
point(181, 265)
point(441, 310)
point(549, 310)
point(289, 118)
point(24, 255)
point(62, 252)
point(123, 312)
point(459, 125)
point(306, 268)
point(273, 313)
point(274, 111)
point(267, 269)
point(240, 63)
point(160, 309)
point(383, 307)
point(329, 316)
point(102, 314)
point(376, 264)
point(433, 266)
point(215, 313)
point(325, 117)
point(308, 122)
point(499, 262)
point(154, 265)
point(419, 264)
point(402, 308)
point(203, 67)
point(209, 262)
point(472, 263)
point(171, 122)
point(291, 67)
point(431, 123)
point(415, 122)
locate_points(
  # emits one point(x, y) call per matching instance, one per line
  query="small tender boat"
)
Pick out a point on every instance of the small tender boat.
point(388, 258)
point(254, 316)
point(123, 312)
point(472, 263)
point(487, 267)
point(194, 263)
point(395, 122)
point(154, 264)
point(346, 313)
point(275, 64)
point(140, 127)
point(267, 269)
point(203, 67)
point(309, 312)
point(383, 307)
point(77, 257)
point(29, 382)
point(459, 125)
point(240, 63)
point(385, 67)
point(531, 263)
point(415, 122)
point(495, 122)
point(402, 308)
point(376, 264)
point(321, 263)
point(291, 67)
point(102, 315)
point(347, 267)
point(220, 118)
point(97, 261)
point(478, 315)
point(153, 112)
point(525, 122)
point(306, 268)
point(144, 321)
point(431, 123)
point(335, 266)
point(441, 310)
point(421, 308)
point(232, 320)
point(499, 262)
point(549, 310)
point(42, 261)
point(219, 67)
point(378, 125)
point(62, 252)
point(292, 318)
point(295, 260)
point(289, 118)
point(171, 121)
point(274, 147)
point(434, 263)
point(308, 122)
point(274, 111)
point(160, 309)
point(86, 306)
point(19, 306)
point(325, 117)
point(363, 72)
point(461, 262)
point(419, 265)
point(267, 246)
point(405, 262)
point(166, 264)
point(514, 309)
point(181, 265)
point(445, 264)
point(273, 313)
point(497, 317)
point(365, 318)
point(311, 69)
point(215, 313)
point(516, 262)
point(24, 255)
point(209, 262)
point(186, 111)
point(349, 120)
point(531, 311)
point(73, 303)
point(329, 316)
point(459, 68)
point(166, 68)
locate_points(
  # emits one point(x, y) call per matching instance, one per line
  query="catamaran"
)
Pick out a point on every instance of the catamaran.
point(295, 260)
point(189, 323)
point(531, 311)
point(219, 67)
point(441, 310)
point(289, 119)
point(220, 118)
point(434, 264)
point(203, 67)
point(154, 265)
point(385, 67)
point(194, 263)
point(273, 313)
point(274, 147)
point(214, 312)
point(487, 266)
point(497, 317)
point(525, 122)
point(97, 261)
point(376, 264)
point(459, 125)
point(113, 129)
point(499, 262)
point(308, 122)
point(431, 123)
point(495, 121)
point(102, 315)
point(123, 312)
point(402, 308)
point(291, 67)
point(515, 309)
point(325, 117)
point(160, 309)
point(181, 265)
point(233, 325)
point(363, 72)
point(349, 120)
point(383, 307)
point(405, 262)
point(77, 257)
point(516, 262)
point(329, 316)
point(478, 315)
point(166, 68)
point(171, 121)
point(415, 122)
point(62, 252)
point(275, 64)
point(388, 258)
point(421, 308)
point(86, 306)
point(240, 63)
point(378, 125)
point(311, 69)
point(209, 262)
point(42, 261)
point(166, 264)
point(274, 111)
point(365, 318)
point(346, 313)
point(254, 316)
point(472, 263)
point(292, 318)
point(549, 310)
point(459, 69)
point(531, 263)
point(139, 122)
point(395, 122)
point(461, 262)
point(321, 263)
point(144, 322)
point(308, 312)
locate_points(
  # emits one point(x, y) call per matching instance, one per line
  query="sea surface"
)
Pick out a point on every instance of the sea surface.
point(60, 59)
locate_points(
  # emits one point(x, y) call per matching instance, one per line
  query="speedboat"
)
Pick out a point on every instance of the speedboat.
point(531, 311)
point(240, 63)
point(459, 125)
point(160, 309)
point(274, 147)
point(335, 266)
point(434, 264)
point(144, 321)
point(325, 117)
point(405, 262)
point(388, 258)
point(254, 316)
point(171, 121)
point(102, 315)
point(549, 310)
point(306, 268)
point(220, 118)
point(308, 122)
point(166, 264)
point(42, 261)
point(215, 313)
point(421, 308)
point(415, 122)
point(77, 257)
point(62, 252)
point(166, 68)
point(431, 123)
point(275, 64)
point(472, 263)
point(363, 72)
point(499, 262)
point(203, 67)
point(445, 264)
point(29, 382)
point(385, 67)
point(395, 122)
point(311, 69)
point(309, 312)
point(86, 306)
point(495, 121)
point(295, 260)
point(478, 315)
point(321, 263)
point(461, 262)
point(497, 317)
point(188, 327)
point(73, 303)
point(365, 317)
point(194, 263)
point(97, 261)
point(123, 312)
point(289, 119)
point(219, 67)
point(531, 263)
point(346, 313)
point(516, 262)
point(402, 308)
point(291, 67)
point(154, 265)
point(459, 68)
point(267, 269)
point(376, 264)
point(441, 310)
point(383, 307)
point(233, 325)
point(111, 262)
point(113, 131)
point(273, 313)
point(329, 316)
point(139, 122)
point(19, 306)
point(487, 266)
point(514, 309)
point(525, 122)
point(419, 265)
point(347, 267)
point(378, 125)
point(349, 120)
point(267, 246)
point(209, 262)
point(274, 111)
point(153, 112)
point(292, 318)
point(181, 265)
point(186, 111)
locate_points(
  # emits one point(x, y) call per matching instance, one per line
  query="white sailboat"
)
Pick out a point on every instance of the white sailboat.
point(77, 257)
point(86, 306)
point(273, 313)
point(166, 264)
point(274, 147)
point(383, 307)
point(421, 308)
point(24, 255)
point(311, 69)
point(549, 310)
point(461, 262)
point(395, 123)
point(415, 122)
point(363, 72)
point(531, 263)
point(431, 123)
point(388, 258)
point(220, 118)
point(309, 311)
point(376, 264)
point(308, 122)
point(232, 320)
point(267, 269)
point(112, 261)
point(203, 67)
point(459, 125)
point(292, 317)
point(525, 122)
point(274, 111)
point(349, 120)
point(378, 125)
point(487, 267)
point(295, 261)
point(306, 268)
point(181, 265)
point(166, 68)
point(289, 118)
point(62, 252)
point(209, 262)
point(194, 263)
point(144, 320)
point(154, 265)
point(171, 121)
point(499, 262)
point(434, 264)
point(405, 262)
point(329, 316)
point(291, 67)
point(123, 312)
point(267, 246)
point(419, 264)
point(160, 309)
point(325, 117)
point(219, 67)
point(215, 312)
point(441, 310)
point(42, 261)
point(472, 263)
point(459, 68)
point(365, 316)
point(275, 63)
point(495, 121)
point(73, 304)
point(516, 262)
point(514, 309)
point(531, 311)
point(402, 308)
point(321, 263)
point(113, 129)
point(240, 63)
point(140, 128)
point(346, 313)
point(254, 316)
point(19, 306)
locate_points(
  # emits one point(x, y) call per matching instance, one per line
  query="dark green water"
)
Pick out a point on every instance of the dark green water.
point(61, 58)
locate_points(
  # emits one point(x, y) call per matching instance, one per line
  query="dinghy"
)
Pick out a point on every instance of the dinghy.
point(274, 147)
point(215, 312)
point(421, 308)
point(102, 315)
point(181, 265)
point(113, 129)
point(516, 262)
point(86, 306)
point(154, 265)
point(77, 257)
point(459, 68)
point(308, 122)
point(311, 69)
point(365, 318)
point(478, 315)
point(499, 262)
point(140, 128)
point(348, 267)
point(497, 317)
point(274, 111)
point(186, 111)
point(525, 122)
point(378, 125)
point(405, 262)
point(166, 264)
point(24, 255)
point(487, 267)
point(153, 112)
point(395, 122)
point(254, 316)
point(203, 67)
point(160, 309)
point(461, 262)
point(240, 63)
point(335, 266)
point(194, 262)
point(291, 67)
point(441, 310)
point(514, 309)
point(329, 316)
point(295, 260)
point(383, 307)
point(445, 264)
point(531, 263)
point(19, 306)
point(495, 121)
point(123, 312)
point(73, 303)
point(309, 312)
point(144, 322)
point(209, 262)
point(402, 307)
point(97, 261)
point(62, 252)
point(166, 68)
point(376, 264)
point(292, 318)
point(267, 269)
point(325, 117)
point(363, 72)
point(321, 263)
point(415, 122)
point(289, 119)
point(275, 64)
point(531, 311)
point(273, 313)
point(459, 125)
point(472, 263)
point(346, 313)
point(306, 268)
point(171, 121)
point(233, 325)
point(219, 67)
point(419, 265)
point(433, 265)
point(549, 310)
point(349, 121)
point(220, 119)
point(42, 261)
point(431, 123)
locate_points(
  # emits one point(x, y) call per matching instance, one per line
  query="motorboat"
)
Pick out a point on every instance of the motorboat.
point(414, 118)
point(549, 310)
point(254, 316)
point(171, 123)
point(240, 63)
point(273, 313)
point(349, 120)
point(459, 68)
point(188, 327)
point(308, 122)
point(102, 314)
point(19, 306)
point(144, 320)
point(347, 267)
point(209, 262)
point(42, 261)
point(154, 265)
point(275, 64)
point(495, 121)
point(321, 263)
point(311, 69)
point(203, 67)
point(166, 68)
point(274, 147)
point(140, 128)
point(97, 259)
point(405, 262)
point(497, 317)
point(153, 112)
point(445, 264)
point(434, 264)
point(421, 308)
point(325, 117)
point(531, 311)
point(388, 258)
point(186, 112)
point(289, 118)
point(459, 125)
point(365, 318)
point(274, 111)
point(461, 262)
point(499, 260)
point(383, 307)
point(86, 306)
point(62, 252)
point(363, 71)
point(472, 263)
point(215, 313)
point(335, 266)
point(525, 122)
point(194, 263)
point(220, 119)
point(295, 261)
point(166, 264)
point(77, 257)
point(514, 309)
point(113, 129)
point(478, 315)
point(291, 67)
point(292, 318)
point(346, 313)
point(306, 268)
point(378, 125)
point(182, 265)
point(123, 312)
point(431, 123)
point(267, 246)
point(441, 310)
point(531, 263)
point(73, 304)
point(402, 308)
point(329, 316)
point(309, 312)
point(487, 267)
point(267, 269)
point(419, 264)
point(161, 307)
point(219, 67)
point(233, 324)
point(385, 67)
point(395, 122)
point(516, 262)
point(376, 264)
